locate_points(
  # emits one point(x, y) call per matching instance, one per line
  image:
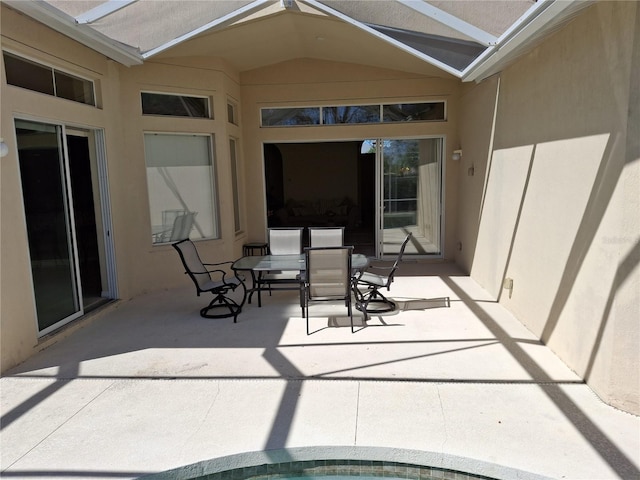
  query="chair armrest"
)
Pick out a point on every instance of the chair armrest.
point(213, 270)
point(379, 268)
point(218, 270)
point(216, 264)
point(376, 262)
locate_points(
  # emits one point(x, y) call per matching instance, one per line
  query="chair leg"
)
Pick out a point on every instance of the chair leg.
point(231, 308)
point(244, 293)
point(374, 296)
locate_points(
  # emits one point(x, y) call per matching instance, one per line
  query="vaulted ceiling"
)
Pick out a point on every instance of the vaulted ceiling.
point(467, 39)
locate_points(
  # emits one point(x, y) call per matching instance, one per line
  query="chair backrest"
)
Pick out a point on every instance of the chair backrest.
point(396, 263)
point(402, 247)
point(182, 226)
point(326, 236)
point(192, 264)
point(285, 241)
point(328, 273)
point(169, 217)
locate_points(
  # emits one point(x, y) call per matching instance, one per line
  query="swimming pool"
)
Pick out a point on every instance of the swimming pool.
point(339, 463)
point(340, 469)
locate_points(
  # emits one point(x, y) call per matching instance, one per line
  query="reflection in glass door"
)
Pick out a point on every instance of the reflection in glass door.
point(411, 196)
point(60, 209)
point(49, 227)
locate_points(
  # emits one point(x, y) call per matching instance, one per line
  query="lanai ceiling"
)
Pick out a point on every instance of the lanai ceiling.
point(468, 39)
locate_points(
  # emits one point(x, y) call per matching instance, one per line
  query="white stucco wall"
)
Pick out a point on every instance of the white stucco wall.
point(560, 200)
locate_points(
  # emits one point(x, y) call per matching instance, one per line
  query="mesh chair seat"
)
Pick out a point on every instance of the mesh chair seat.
point(370, 278)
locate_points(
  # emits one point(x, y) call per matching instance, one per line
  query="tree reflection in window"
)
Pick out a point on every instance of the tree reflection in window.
point(351, 114)
point(174, 105)
point(411, 112)
point(272, 117)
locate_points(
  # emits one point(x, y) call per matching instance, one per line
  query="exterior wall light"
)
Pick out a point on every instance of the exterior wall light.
point(457, 155)
point(4, 150)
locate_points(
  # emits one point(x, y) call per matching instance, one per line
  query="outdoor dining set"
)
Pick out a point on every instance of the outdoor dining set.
point(326, 270)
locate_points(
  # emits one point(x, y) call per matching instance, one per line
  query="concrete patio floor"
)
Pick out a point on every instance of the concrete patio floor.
point(450, 380)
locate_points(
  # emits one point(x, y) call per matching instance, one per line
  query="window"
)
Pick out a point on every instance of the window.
point(235, 185)
point(182, 187)
point(350, 114)
point(73, 88)
point(412, 112)
point(174, 105)
point(287, 117)
point(232, 113)
point(40, 78)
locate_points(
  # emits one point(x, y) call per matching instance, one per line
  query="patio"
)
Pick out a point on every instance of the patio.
point(451, 379)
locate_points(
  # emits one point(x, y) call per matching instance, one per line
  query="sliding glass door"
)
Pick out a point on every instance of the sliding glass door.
point(66, 256)
point(410, 186)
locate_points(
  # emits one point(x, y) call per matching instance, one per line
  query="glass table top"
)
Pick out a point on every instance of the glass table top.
point(286, 262)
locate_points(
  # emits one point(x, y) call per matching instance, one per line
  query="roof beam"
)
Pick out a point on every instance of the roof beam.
point(535, 20)
point(451, 21)
point(101, 11)
point(50, 16)
point(219, 22)
point(334, 13)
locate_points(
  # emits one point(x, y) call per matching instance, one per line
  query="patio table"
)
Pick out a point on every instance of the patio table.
point(257, 265)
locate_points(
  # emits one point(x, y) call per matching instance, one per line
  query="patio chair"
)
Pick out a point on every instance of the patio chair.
point(283, 241)
point(215, 281)
point(327, 278)
point(326, 236)
point(376, 277)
